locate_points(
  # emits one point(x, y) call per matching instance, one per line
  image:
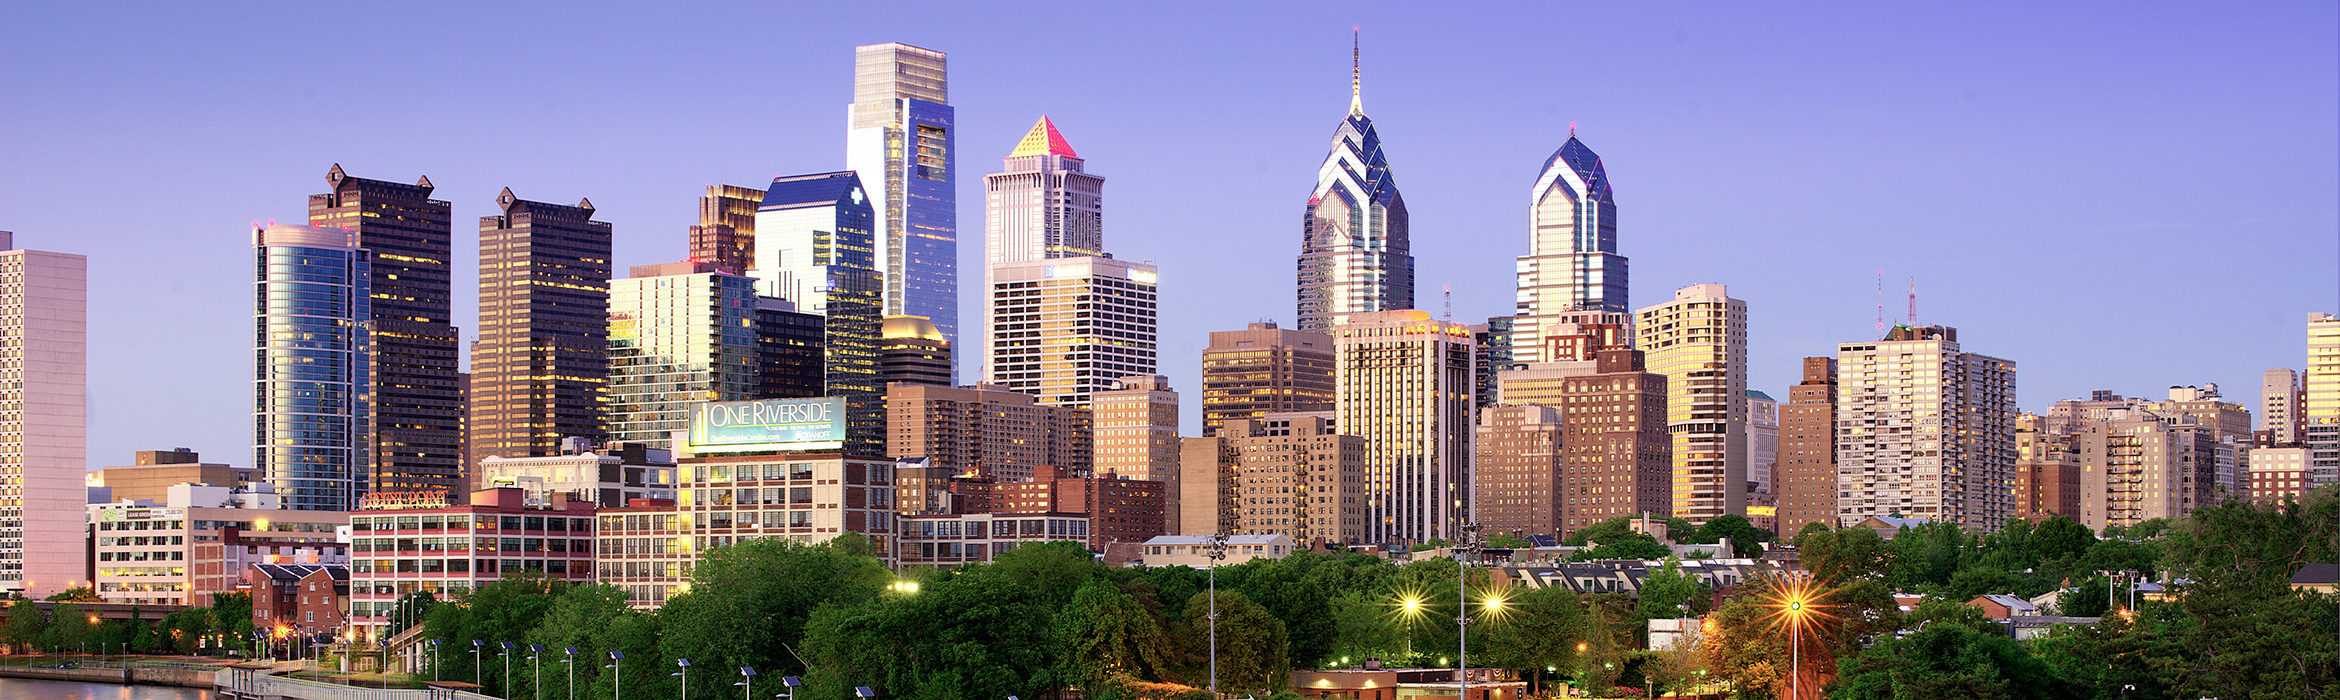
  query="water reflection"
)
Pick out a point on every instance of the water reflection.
point(20, 689)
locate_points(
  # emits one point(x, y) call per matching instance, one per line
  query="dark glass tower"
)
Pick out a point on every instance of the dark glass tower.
point(1355, 251)
point(815, 247)
point(540, 371)
point(417, 406)
point(1572, 275)
point(900, 142)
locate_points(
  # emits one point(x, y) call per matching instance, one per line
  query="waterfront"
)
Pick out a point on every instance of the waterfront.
point(21, 689)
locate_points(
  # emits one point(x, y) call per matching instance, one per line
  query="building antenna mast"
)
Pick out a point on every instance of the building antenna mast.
point(1913, 302)
point(1449, 292)
point(1880, 303)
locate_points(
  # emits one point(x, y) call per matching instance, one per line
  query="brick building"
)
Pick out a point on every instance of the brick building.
point(291, 600)
point(403, 543)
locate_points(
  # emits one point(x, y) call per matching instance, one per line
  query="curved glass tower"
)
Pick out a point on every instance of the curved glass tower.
point(1572, 275)
point(1355, 254)
point(312, 413)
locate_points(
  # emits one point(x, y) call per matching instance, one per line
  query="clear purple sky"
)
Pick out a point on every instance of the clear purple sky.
point(2120, 195)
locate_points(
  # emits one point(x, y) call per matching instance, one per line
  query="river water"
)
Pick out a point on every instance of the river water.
point(20, 689)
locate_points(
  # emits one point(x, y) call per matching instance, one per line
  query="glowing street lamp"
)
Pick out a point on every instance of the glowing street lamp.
point(1796, 602)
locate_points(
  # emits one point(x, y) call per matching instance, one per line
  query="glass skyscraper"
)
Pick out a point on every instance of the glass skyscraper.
point(313, 423)
point(900, 141)
point(1355, 251)
point(680, 334)
point(1572, 275)
point(815, 247)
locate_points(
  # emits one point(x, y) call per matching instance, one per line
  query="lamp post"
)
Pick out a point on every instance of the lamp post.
point(571, 661)
point(476, 645)
point(536, 656)
point(1467, 550)
point(791, 683)
point(617, 686)
point(1216, 551)
point(685, 674)
point(434, 658)
point(507, 654)
point(747, 676)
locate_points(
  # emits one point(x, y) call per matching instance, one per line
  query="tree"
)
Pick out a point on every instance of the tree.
point(26, 625)
point(1841, 555)
point(591, 619)
point(1666, 593)
point(749, 597)
point(77, 594)
point(1746, 539)
point(1507, 540)
point(1365, 627)
point(1946, 660)
point(975, 632)
point(1539, 630)
point(1253, 652)
point(2060, 537)
point(1105, 633)
point(1632, 545)
point(1602, 531)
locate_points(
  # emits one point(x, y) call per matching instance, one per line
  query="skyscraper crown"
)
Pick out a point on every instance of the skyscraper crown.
point(1043, 140)
point(1587, 165)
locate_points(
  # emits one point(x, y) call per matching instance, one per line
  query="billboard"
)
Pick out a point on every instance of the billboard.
point(769, 425)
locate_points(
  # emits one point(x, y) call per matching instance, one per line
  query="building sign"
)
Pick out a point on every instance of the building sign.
point(770, 425)
point(403, 500)
point(121, 514)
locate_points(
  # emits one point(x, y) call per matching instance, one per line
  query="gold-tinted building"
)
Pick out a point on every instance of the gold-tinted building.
point(1518, 471)
point(1297, 477)
point(1264, 369)
point(540, 371)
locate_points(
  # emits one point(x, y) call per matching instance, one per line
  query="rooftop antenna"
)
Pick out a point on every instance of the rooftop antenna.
point(1356, 81)
point(1449, 292)
point(1913, 302)
point(1880, 303)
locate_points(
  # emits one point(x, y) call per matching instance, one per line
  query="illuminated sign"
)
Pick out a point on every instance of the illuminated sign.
point(403, 500)
point(121, 514)
point(770, 425)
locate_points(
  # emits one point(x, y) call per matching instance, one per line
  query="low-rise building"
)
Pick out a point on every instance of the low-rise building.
point(1195, 550)
point(2276, 473)
point(645, 548)
point(408, 542)
point(948, 540)
point(2000, 607)
point(608, 477)
point(298, 599)
point(199, 540)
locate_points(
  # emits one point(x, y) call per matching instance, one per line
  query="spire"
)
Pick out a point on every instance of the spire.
point(1356, 84)
point(1043, 140)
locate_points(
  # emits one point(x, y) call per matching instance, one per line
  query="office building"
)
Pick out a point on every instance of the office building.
point(726, 232)
point(1355, 245)
point(1572, 274)
point(1209, 473)
point(1136, 429)
point(1045, 345)
point(1493, 340)
point(899, 136)
point(645, 549)
point(1041, 206)
point(313, 382)
point(679, 334)
point(815, 248)
point(1519, 470)
point(2320, 403)
point(1924, 430)
point(1572, 354)
point(1699, 341)
point(197, 539)
point(1264, 369)
point(153, 472)
point(2137, 465)
point(987, 430)
point(609, 476)
point(1613, 431)
point(913, 351)
point(776, 468)
point(402, 544)
point(416, 404)
point(1806, 475)
point(1404, 384)
point(789, 350)
point(540, 371)
point(2047, 471)
point(1762, 444)
point(1113, 508)
point(2277, 474)
point(2281, 398)
point(1297, 476)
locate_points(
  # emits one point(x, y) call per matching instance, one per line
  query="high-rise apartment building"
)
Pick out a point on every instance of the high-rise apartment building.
point(1613, 431)
point(1806, 475)
point(417, 401)
point(1264, 369)
point(899, 133)
point(1209, 470)
point(1356, 250)
point(985, 429)
point(1297, 476)
point(1572, 274)
point(2137, 465)
point(2280, 400)
point(313, 427)
point(2320, 405)
point(1137, 429)
point(1699, 341)
point(1040, 206)
point(679, 334)
point(1493, 340)
point(2047, 471)
point(540, 371)
point(1404, 384)
point(726, 233)
point(1069, 327)
point(1519, 470)
point(1924, 430)
point(815, 248)
point(913, 351)
point(44, 383)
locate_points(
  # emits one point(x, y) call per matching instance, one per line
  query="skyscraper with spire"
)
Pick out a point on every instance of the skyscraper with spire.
point(1572, 276)
point(1040, 206)
point(899, 134)
point(1355, 251)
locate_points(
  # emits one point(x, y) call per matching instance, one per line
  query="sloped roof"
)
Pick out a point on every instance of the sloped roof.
point(1043, 140)
point(2313, 573)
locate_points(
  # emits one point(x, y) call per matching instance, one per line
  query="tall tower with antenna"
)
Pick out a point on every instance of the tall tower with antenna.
point(1356, 251)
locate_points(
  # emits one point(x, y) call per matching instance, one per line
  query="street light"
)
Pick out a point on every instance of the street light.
point(571, 661)
point(476, 645)
point(791, 683)
point(685, 673)
point(1468, 550)
point(507, 654)
point(863, 691)
point(536, 655)
point(748, 676)
point(617, 687)
point(1215, 550)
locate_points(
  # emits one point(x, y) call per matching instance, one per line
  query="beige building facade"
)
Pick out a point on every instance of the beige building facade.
point(1925, 430)
point(1699, 342)
point(985, 429)
point(1263, 369)
point(1298, 477)
point(1520, 469)
point(1406, 386)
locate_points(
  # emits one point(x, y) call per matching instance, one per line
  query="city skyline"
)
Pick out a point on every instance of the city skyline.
point(2026, 305)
